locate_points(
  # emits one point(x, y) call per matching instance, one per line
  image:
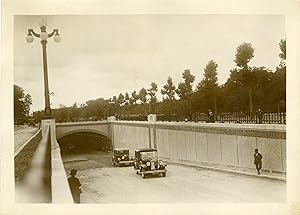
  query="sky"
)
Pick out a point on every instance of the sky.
point(104, 55)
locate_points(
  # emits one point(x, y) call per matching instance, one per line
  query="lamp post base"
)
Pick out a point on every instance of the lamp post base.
point(48, 113)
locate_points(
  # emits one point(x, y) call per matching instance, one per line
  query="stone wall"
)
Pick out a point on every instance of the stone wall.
point(211, 143)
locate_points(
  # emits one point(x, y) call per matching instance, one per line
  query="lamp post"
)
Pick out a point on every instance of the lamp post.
point(44, 36)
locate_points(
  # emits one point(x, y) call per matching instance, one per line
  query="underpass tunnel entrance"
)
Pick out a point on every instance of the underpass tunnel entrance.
point(84, 142)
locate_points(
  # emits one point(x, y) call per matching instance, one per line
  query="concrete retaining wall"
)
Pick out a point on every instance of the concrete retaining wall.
point(132, 137)
point(60, 191)
point(223, 144)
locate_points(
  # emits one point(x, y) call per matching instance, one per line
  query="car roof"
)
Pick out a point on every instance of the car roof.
point(145, 150)
point(119, 149)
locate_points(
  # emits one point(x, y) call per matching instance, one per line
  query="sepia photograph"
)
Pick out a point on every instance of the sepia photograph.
point(150, 107)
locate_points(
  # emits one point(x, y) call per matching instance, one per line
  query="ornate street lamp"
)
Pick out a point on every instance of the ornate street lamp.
point(44, 36)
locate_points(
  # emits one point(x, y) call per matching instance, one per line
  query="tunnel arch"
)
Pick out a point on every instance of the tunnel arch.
point(83, 141)
point(82, 130)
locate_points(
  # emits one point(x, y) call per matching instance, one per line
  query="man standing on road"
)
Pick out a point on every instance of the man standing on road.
point(75, 186)
point(257, 161)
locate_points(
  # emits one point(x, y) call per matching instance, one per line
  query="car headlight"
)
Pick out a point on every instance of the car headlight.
point(119, 159)
point(123, 157)
point(148, 163)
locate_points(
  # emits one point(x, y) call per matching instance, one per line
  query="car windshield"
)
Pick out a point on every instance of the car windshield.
point(122, 152)
point(149, 155)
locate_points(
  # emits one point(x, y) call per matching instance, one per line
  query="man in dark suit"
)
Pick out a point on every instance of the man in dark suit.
point(75, 186)
point(257, 160)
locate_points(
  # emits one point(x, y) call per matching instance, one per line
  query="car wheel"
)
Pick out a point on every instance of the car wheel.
point(137, 172)
point(164, 174)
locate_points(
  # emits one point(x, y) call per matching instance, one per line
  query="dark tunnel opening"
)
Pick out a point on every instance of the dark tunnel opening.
point(83, 142)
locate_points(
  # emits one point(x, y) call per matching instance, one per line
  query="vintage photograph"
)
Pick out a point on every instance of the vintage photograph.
point(150, 108)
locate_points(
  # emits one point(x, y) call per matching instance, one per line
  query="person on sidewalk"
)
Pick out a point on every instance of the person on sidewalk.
point(257, 161)
point(210, 116)
point(75, 186)
point(260, 116)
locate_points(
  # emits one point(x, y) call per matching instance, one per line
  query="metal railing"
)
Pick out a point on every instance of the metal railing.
point(263, 118)
point(255, 118)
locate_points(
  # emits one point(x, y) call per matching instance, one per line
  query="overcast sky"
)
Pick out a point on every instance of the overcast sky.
point(102, 56)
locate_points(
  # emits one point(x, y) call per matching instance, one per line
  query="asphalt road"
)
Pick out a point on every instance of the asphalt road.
point(22, 134)
point(103, 183)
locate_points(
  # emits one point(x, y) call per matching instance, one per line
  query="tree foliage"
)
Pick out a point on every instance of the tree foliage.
point(282, 54)
point(205, 96)
point(168, 90)
point(244, 53)
point(152, 92)
point(22, 103)
point(185, 88)
point(142, 96)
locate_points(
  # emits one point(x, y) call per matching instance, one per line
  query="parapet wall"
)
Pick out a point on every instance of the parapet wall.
point(211, 143)
point(60, 191)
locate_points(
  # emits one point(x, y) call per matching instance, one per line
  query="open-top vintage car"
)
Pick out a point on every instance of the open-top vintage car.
point(121, 157)
point(147, 163)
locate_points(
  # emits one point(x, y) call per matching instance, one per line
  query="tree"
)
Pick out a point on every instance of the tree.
point(134, 97)
point(244, 53)
point(22, 103)
point(207, 88)
point(114, 99)
point(210, 76)
point(37, 116)
point(74, 112)
point(143, 95)
point(126, 99)
point(152, 92)
point(185, 89)
point(282, 54)
point(120, 99)
point(279, 81)
point(168, 90)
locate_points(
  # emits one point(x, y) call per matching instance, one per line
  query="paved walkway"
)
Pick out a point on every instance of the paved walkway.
point(22, 134)
point(236, 170)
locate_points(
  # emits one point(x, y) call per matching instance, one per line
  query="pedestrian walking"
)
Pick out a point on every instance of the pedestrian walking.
point(257, 161)
point(210, 116)
point(260, 116)
point(75, 186)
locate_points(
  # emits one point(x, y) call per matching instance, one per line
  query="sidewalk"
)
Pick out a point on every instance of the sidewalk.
point(232, 169)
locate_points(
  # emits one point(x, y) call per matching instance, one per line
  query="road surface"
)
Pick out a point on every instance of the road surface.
point(103, 183)
point(22, 134)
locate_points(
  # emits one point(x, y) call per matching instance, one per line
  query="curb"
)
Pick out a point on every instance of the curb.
point(233, 171)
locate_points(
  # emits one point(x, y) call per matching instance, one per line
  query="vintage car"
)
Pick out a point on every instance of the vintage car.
point(147, 163)
point(121, 157)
